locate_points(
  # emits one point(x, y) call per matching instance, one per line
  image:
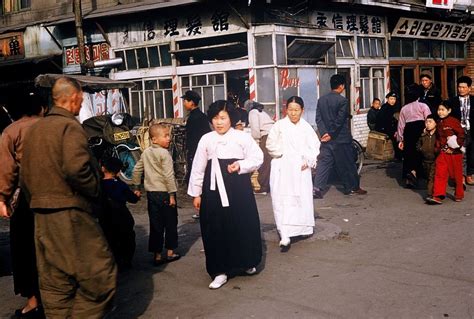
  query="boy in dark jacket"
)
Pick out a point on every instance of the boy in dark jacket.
point(117, 221)
point(426, 146)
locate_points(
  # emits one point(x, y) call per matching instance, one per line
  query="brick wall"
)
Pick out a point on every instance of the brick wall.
point(360, 130)
point(470, 60)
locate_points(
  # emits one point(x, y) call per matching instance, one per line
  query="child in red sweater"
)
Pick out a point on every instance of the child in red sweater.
point(449, 138)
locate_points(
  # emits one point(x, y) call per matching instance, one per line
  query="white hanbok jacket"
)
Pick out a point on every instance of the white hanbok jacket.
point(292, 146)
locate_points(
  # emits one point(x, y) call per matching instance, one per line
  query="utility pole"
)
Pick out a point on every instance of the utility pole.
point(80, 34)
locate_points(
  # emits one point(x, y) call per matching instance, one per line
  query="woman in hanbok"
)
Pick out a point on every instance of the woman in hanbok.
point(223, 194)
point(294, 147)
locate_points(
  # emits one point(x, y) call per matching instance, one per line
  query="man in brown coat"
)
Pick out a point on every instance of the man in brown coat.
point(77, 274)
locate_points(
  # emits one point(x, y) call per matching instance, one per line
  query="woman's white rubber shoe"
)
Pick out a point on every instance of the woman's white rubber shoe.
point(285, 242)
point(218, 282)
point(251, 271)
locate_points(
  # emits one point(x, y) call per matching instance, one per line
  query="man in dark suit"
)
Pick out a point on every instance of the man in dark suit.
point(197, 125)
point(332, 119)
point(463, 109)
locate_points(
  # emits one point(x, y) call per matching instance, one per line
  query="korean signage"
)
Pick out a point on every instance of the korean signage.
point(11, 46)
point(350, 22)
point(440, 4)
point(94, 52)
point(191, 25)
point(436, 30)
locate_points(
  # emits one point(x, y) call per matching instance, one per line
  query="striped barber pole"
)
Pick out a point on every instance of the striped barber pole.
point(388, 81)
point(175, 96)
point(357, 101)
point(252, 84)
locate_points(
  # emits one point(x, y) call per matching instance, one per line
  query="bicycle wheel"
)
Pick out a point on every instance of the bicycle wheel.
point(358, 155)
point(129, 159)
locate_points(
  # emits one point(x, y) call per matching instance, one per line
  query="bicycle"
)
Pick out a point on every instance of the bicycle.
point(359, 155)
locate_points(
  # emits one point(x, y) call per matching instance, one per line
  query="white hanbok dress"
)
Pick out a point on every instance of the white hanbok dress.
point(230, 225)
point(291, 146)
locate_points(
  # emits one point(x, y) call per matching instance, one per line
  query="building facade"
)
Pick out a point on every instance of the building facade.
point(266, 52)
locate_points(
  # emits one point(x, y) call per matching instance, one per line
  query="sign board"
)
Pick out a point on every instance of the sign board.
point(188, 26)
point(11, 46)
point(350, 22)
point(434, 30)
point(440, 4)
point(94, 52)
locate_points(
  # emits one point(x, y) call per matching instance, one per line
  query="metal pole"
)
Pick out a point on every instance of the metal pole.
point(80, 34)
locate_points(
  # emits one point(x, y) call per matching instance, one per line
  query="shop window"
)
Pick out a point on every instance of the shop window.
point(344, 47)
point(372, 85)
point(152, 98)
point(143, 58)
point(209, 86)
point(211, 49)
point(401, 48)
point(371, 47)
point(281, 49)
point(430, 49)
point(10, 6)
point(265, 85)
point(455, 50)
point(263, 50)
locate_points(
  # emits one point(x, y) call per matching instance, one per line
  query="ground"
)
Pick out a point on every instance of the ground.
point(386, 255)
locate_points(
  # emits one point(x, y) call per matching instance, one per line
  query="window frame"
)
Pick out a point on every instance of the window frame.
point(370, 80)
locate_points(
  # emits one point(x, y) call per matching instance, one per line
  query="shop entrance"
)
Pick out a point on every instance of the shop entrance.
point(238, 86)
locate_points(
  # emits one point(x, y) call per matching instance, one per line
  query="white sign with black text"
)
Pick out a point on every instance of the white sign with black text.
point(434, 30)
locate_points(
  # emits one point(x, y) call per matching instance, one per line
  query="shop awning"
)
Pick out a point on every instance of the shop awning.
point(92, 83)
point(308, 49)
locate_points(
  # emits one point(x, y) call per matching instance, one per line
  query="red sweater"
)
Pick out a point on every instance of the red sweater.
point(447, 127)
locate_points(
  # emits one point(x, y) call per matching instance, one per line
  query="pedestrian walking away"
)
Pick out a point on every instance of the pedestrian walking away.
point(294, 146)
point(160, 184)
point(260, 125)
point(222, 191)
point(77, 273)
point(29, 109)
point(332, 120)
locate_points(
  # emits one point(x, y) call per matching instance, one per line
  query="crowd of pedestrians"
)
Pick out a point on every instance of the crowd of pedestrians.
point(71, 212)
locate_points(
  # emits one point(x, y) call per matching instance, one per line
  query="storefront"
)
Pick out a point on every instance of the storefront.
point(420, 46)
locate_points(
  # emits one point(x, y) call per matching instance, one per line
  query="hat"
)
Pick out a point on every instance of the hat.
point(192, 96)
point(391, 94)
point(426, 74)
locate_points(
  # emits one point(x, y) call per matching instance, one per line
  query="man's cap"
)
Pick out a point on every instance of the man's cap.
point(391, 94)
point(192, 96)
point(426, 74)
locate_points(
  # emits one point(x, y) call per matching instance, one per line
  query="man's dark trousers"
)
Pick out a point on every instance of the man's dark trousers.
point(340, 156)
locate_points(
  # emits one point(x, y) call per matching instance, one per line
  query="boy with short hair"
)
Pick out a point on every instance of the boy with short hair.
point(426, 146)
point(157, 165)
point(116, 220)
point(372, 114)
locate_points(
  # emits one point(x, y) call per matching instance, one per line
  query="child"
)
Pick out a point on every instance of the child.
point(117, 221)
point(372, 114)
point(426, 146)
point(160, 184)
point(449, 137)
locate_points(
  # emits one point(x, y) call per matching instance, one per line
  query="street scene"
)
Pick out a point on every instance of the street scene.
point(236, 159)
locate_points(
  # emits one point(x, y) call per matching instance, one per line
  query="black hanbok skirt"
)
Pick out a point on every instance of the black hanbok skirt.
point(231, 235)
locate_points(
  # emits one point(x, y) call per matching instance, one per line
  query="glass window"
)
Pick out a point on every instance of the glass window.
point(136, 102)
point(151, 85)
point(437, 49)
point(153, 57)
point(185, 81)
point(408, 49)
point(281, 49)
point(265, 85)
point(264, 51)
point(165, 55)
point(460, 50)
point(142, 58)
point(450, 50)
point(199, 80)
point(423, 48)
point(370, 47)
point(380, 48)
point(394, 48)
point(149, 105)
point(159, 111)
point(324, 80)
point(219, 92)
point(344, 48)
point(165, 84)
point(131, 60)
point(372, 85)
point(122, 66)
point(207, 98)
point(216, 79)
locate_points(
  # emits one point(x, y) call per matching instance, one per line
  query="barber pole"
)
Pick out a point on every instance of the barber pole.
point(252, 84)
point(388, 82)
point(357, 100)
point(175, 97)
